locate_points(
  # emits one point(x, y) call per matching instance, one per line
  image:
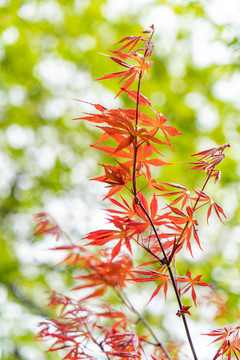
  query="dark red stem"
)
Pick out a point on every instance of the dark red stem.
point(173, 282)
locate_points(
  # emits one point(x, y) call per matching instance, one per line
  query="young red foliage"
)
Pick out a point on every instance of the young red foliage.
point(208, 159)
point(107, 273)
point(125, 345)
point(117, 178)
point(190, 225)
point(124, 234)
point(230, 338)
point(190, 283)
point(158, 124)
point(137, 97)
point(127, 210)
point(206, 199)
point(46, 225)
point(128, 76)
point(76, 327)
point(133, 137)
point(151, 275)
point(157, 220)
point(183, 193)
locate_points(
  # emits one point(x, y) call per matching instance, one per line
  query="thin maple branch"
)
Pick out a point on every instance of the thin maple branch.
point(24, 300)
point(204, 185)
point(17, 354)
point(127, 302)
point(129, 305)
point(131, 138)
point(175, 271)
point(194, 208)
point(167, 263)
point(135, 147)
point(137, 201)
point(97, 343)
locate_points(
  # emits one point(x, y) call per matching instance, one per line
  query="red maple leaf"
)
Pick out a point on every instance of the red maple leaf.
point(208, 159)
point(152, 275)
point(190, 283)
point(122, 233)
point(158, 124)
point(203, 197)
point(183, 194)
point(117, 177)
point(157, 220)
point(46, 225)
point(127, 210)
point(138, 97)
point(231, 341)
point(103, 274)
point(190, 225)
point(130, 43)
point(123, 345)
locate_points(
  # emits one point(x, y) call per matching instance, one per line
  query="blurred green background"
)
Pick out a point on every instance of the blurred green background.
point(49, 55)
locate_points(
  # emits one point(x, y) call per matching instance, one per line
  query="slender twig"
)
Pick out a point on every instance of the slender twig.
point(135, 146)
point(204, 185)
point(127, 302)
point(137, 201)
point(24, 300)
point(129, 305)
point(97, 343)
point(194, 208)
point(173, 281)
point(168, 263)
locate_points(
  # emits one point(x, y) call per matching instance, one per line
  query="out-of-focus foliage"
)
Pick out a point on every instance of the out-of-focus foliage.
point(49, 54)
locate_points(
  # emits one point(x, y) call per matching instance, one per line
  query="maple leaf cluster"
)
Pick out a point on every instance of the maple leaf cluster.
point(132, 138)
point(230, 338)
